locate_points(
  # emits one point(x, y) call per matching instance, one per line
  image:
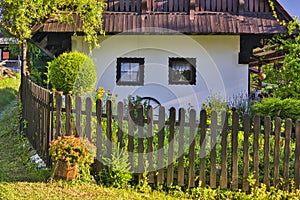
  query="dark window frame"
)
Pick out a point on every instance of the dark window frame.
point(191, 62)
point(140, 61)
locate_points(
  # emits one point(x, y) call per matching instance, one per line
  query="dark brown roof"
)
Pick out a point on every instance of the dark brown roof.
point(185, 16)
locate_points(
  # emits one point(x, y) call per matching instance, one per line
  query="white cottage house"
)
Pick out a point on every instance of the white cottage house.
point(175, 52)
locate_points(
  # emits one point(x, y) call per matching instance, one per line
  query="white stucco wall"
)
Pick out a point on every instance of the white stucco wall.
point(217, 66)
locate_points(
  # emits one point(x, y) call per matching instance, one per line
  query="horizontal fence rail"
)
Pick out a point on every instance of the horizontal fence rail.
point(179, 147)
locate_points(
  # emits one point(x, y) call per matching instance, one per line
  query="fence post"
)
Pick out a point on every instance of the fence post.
point(99, 133)
point(150, 147)
point(267, 133)
point(109, 129)
point(131, 135)
point(78, 102)
point(202, 155)
point(224, 168)
point(297, 155)
point(286, 164)
point(120, 111)
point(141, 166)
point(68, 114)
point(277, 151)
point(181, 147)
point(247, 126)
point(256, 127)
point(213, 153)
point(192, 141)
point(161, 151)
point(170, 166)
point(88, 112)
point(58, 114)
point(234, 141)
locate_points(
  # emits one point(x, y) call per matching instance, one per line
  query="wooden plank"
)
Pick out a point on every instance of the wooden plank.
point(262, 6)
point(187, 6)
point(141, 166)
point(181, 147)
point(224, 168)
point(68, 101)
point(247, 127)
point(78, 105)
point(213, 5)
point(256, 6)
point(88, 112)
point(297, 155)
point(176, 5)
point(213, 153)
point(251, 5)
point(150, 147)
point(202, 155)
point(149, 5)
point(219, 5)
point(127, 5)
point(109, 129)
point(160, 159)
point(191, 178)
point(99, 133)
point(256, 129)
point(202, 5)
point(171, 5)
point(122, 7)
point(120, 133)
point(229, 5)
point(287, 151)
point(207, 6)
point(224, 6)
point(154, 5)
point(131, 135)
point(235, 5)
point(116, 6)
point(170, 168)
point(234, 141)
point(267, 133)
point(277, 151)
point(181, 5)
point(246, 6)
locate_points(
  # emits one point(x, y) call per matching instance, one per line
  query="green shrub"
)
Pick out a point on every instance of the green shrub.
point(73, 72)
point(117, 173)
point(274, 107)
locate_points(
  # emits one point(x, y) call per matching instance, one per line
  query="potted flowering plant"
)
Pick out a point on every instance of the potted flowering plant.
point(71, 154)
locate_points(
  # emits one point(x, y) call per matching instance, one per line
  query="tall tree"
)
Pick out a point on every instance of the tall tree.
point(19, 16)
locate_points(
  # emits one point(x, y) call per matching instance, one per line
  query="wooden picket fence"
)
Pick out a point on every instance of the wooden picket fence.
point(219, 150)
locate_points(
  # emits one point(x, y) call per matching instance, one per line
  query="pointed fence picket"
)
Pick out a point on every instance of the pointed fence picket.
point(177, 148)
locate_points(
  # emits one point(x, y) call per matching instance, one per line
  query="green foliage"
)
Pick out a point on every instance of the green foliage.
point(274, 107)
point(116, 174)
point(73, 72)
point(286, 76)
point(18, 17)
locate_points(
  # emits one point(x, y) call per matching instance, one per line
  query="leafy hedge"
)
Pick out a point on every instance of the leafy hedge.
point(274, 107)
point(73, 72)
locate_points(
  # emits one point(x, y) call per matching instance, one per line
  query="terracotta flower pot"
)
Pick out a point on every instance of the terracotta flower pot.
point(65, 172)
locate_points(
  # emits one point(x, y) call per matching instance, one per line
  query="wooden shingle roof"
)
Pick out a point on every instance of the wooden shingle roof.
point(185, 16)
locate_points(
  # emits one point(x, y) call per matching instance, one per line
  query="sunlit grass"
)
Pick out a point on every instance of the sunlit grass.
point(8, 90)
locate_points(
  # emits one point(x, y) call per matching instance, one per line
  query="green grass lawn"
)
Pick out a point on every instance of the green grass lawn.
point(20, 179)
point(8, 90)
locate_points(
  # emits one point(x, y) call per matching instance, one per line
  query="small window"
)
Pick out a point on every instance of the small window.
point(130, 71)
point(182, 71)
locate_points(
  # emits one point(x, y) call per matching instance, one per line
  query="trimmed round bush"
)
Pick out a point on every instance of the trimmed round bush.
point(73, 72)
